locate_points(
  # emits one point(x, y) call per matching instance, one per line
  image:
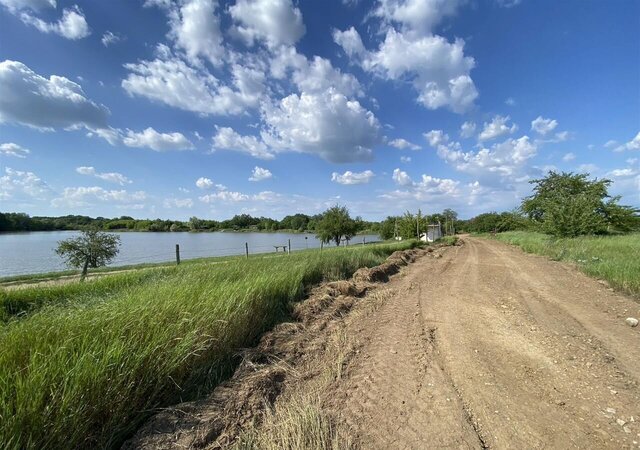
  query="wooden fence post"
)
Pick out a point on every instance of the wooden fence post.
point(246, 249)
point(289, 248)
point(321, 245)
point(178, 254)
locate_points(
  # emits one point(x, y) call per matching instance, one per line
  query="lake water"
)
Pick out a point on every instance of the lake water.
point(33, 252)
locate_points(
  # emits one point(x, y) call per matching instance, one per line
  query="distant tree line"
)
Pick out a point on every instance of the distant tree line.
point(241, 222)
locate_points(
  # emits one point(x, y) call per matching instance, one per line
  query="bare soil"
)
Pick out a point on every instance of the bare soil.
point(472, 346)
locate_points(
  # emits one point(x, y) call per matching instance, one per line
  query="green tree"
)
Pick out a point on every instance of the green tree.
point(91, 249)
point(568, 204)
point(336, 224)
point(195, 224)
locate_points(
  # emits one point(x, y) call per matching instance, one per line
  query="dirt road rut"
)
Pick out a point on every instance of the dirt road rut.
point(488, 347)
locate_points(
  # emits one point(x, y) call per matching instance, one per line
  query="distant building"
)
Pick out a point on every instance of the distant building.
point(434, 232)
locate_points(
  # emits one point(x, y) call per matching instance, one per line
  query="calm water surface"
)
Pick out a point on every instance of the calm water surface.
point(33, 252)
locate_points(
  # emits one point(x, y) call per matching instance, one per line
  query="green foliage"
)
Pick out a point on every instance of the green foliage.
point(335, 225)
point(84, 373)
point(569, 205)
point(612, 258)
point(490, 222)
point(91, 249)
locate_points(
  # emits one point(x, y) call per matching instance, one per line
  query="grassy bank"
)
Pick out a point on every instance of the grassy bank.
point(612, 258)
point(85, 369)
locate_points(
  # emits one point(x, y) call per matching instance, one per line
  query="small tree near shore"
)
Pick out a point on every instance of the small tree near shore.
point(336, 224)
point(91, 249)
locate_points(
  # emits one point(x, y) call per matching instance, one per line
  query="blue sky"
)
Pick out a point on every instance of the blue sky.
point(171, 109)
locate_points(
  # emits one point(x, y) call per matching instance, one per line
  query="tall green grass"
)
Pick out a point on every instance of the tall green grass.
point(612, 258)
point(84, 373)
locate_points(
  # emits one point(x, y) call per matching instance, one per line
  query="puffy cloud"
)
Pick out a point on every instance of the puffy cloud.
point(110, 38)
point(224, 196)
point(543, 126)
point(416, 16)
point(172, 202)
point(17, 185)
point(328, 125)
point(350, 41)
point(111, 177)
point(159, 142)
point(275, 22)
point(72, 25)
point(438, 69)
point(318, 75)
point(623, 173)
point(401, 178)
point(436, 137)
point(12, 149)
point(569, 157)
point(633, 144)
point(467, 130)
point(505, 159)
point(87, 196)
point(57, 102)
point(34, 5)
point(497, 127)
point(403, 144)
point(405, 159)
point(228, 139)
point(196, 30)
point(510, 101)
point(428, 188)
point(170, 80)
point(260, 174)
point(204, 183)
point(349, 177)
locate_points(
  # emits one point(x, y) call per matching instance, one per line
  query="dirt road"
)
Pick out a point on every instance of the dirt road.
point(488, 347)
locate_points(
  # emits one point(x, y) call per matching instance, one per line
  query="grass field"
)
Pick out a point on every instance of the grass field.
point(82, 365)
point(612, 258)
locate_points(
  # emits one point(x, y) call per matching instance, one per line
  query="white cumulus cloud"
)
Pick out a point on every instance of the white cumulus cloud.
point(350, 178)
point(403, 144)
point(497, 127)
point(401, 178)
point(157, 141)
point(633, 144)
point(110, 38)
point(543, 126)
point(72, 25)
point(328, 125)
point(275, 22)
point(467, 130)
point(12, 149)
point(228, 139)
point(171, 81)
point(111, 177)
point(260, 174)
point(437, 68)
point(55, 102)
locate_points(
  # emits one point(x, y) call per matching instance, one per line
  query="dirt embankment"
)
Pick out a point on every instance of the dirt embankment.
point(481, 346)
point(292, 352)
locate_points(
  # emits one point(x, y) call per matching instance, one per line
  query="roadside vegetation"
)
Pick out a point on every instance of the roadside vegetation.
point(611, 258)
point(572, 218)
point(83, 364)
